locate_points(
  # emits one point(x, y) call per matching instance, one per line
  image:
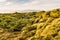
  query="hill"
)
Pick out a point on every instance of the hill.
point(42, 25)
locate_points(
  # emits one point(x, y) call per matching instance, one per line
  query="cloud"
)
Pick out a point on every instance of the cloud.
point(18, 5)
point(3, 1)
point(34, 2)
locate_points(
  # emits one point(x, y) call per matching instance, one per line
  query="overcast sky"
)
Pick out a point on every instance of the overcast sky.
point(20, 5)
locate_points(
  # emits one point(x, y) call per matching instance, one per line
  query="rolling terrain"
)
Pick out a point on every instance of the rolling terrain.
point(42, 25)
